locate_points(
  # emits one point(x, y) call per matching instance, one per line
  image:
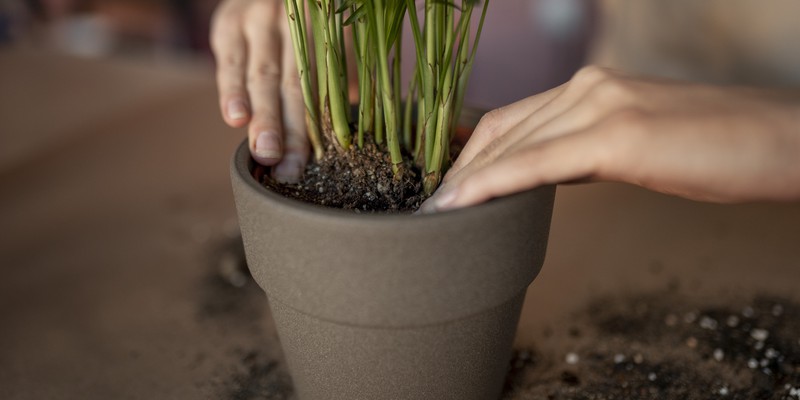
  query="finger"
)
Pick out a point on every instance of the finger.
point(562, 159)
point(230, 51)
point(296, 147)
point(574, 106)
point(498, 122)
point(265, 132)
point(526, 133)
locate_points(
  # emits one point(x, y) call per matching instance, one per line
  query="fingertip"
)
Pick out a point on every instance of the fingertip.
point(447, 200)
point(426, 207)
point(290, 169)
point(266, 148)
point(444, 199)
point(469, 192)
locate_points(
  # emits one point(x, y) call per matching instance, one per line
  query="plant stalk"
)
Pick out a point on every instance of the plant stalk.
point(384, 79)
point(297, 29)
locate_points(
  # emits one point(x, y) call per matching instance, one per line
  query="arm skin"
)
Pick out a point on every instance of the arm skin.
point(702, 142)
point(258, 83)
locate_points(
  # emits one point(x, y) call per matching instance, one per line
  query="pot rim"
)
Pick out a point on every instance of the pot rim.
point(242, 164)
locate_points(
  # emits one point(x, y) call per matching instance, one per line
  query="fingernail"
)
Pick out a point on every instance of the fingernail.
point(236, 109)
point(268, 146)
point(446, 200)
point(440, 201)
point(288, 171)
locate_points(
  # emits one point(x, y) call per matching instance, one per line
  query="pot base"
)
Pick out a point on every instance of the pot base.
point(351, 362)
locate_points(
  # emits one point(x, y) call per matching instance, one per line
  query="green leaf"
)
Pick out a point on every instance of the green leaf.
point(345, 5)
point(447, 3)
point(395, 17)
point(359, 12)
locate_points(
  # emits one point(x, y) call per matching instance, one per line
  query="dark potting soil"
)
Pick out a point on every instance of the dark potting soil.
point(361, 180)
point(652, 347)
point(259, 379)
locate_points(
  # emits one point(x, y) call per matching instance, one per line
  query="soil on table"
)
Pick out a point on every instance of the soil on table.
point(361, 180)
point(657, 347)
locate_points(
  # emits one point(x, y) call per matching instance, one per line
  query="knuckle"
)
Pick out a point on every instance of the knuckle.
point(489, 124)
point(591, 74)
point(264, 72)
point(234, 60)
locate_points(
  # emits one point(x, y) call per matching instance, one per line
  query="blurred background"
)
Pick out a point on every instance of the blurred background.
point(555, 35)
point(109, 28)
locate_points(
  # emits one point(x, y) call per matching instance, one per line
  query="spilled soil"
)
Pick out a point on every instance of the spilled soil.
point(659, 347)
point(361, 180)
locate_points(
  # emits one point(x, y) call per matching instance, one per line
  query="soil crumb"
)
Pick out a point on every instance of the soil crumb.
point(259, 378)
point(656, 347)
point(361, 180)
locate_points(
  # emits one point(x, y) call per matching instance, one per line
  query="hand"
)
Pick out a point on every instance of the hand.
point(258, 83)
point(702, 142)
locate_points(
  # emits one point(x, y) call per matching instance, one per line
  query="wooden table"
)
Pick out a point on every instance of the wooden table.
point(116, 213)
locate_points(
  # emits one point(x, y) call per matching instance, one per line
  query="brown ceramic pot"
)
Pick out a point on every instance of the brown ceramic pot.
point(372, 306)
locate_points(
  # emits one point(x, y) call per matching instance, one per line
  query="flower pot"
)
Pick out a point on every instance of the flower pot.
point(373, 306)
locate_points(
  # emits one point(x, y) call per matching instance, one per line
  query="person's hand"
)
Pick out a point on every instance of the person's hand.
point(258, 83)
point(702, 142)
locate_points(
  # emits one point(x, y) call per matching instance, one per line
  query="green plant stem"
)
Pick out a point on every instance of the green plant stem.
point(297, 30)
point(342, 57)
point(389, 108)
point(365, 103)
point(462, 57)
point(380, 127)
point(339, 106)
point(317, 28)
point(408, 139)
point(423, 80)
point(396, 86)
point(429, 72)
point(441, 139)
point(463, 77)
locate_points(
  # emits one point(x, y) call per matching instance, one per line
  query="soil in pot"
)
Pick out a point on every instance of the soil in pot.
point(362, 180)
point(357, 179)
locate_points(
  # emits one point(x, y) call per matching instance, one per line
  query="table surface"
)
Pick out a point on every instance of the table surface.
point(117, 214)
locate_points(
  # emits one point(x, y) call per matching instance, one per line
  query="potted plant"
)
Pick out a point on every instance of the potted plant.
point(388, 305)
